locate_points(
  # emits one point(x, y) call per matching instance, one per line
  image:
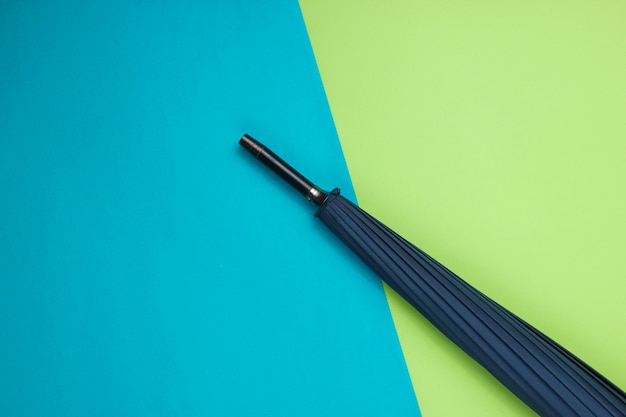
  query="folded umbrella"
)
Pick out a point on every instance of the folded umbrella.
point(543, 374)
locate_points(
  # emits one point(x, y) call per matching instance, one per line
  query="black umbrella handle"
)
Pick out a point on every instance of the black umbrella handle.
point(284, 170)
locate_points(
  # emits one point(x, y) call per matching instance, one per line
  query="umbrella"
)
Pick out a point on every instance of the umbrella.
point(547, 377)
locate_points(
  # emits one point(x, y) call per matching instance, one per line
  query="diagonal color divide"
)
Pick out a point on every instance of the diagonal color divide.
point(492, 137)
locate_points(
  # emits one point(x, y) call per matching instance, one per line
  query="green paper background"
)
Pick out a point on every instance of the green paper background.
point(490, 134)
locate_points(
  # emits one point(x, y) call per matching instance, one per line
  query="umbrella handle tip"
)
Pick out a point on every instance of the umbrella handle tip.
point(251, 145)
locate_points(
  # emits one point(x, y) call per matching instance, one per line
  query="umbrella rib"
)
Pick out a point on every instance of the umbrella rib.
point(592, 377)
point(347, 209)
point(434, 296)
point(545, 345)
point(481, 298)
point(333, 224)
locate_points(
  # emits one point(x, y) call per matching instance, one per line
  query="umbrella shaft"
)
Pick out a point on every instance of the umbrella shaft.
point(283, 169)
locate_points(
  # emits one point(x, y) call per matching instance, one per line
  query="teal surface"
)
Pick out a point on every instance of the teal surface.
point(148, 266)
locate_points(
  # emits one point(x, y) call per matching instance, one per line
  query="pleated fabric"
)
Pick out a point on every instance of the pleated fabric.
point(543, 374)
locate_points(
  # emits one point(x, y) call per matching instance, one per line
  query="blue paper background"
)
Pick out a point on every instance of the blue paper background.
point(148, 266)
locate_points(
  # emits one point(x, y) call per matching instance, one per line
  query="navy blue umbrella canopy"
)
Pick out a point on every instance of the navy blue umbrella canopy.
point(548, 378)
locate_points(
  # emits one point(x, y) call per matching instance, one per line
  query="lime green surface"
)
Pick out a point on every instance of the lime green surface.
point(492, 135)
